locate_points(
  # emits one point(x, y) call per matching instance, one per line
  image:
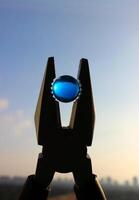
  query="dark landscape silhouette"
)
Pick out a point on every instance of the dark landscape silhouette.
point(10, 188)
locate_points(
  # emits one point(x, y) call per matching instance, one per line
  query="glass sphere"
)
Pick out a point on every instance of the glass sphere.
point(65, 88)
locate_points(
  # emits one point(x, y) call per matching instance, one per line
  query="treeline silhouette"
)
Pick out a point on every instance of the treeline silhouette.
point(10, 188)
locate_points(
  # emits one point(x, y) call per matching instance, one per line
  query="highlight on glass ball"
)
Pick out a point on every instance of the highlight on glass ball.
point(66, 88)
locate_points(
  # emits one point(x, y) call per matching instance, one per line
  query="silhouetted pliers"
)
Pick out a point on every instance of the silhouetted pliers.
point(64, 148)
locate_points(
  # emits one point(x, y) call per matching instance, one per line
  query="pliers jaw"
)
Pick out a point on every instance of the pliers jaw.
point(47, 115)
point(83, 112)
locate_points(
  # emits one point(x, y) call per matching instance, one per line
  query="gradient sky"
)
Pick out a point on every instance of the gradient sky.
point(103, 31)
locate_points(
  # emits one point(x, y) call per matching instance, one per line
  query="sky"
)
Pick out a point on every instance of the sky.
point(103, 31)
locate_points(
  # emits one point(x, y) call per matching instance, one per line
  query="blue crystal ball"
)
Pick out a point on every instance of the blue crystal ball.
point(65, 88)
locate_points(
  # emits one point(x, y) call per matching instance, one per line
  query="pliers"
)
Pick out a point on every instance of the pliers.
point(64, 148)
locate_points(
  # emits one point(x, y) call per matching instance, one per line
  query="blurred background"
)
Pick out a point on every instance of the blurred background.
point(107, 34)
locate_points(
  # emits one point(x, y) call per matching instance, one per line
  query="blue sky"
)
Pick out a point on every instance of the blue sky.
point(103, 31)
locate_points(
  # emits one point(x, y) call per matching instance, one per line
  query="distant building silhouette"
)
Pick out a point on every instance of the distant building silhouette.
point(16, 180)
point(115, 183)
point(109, 181)
point(126, 184)
point(135, 183)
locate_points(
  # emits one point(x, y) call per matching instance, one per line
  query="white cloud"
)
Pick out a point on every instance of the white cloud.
point(17, 141)
point(4, 104)
point(15, 123)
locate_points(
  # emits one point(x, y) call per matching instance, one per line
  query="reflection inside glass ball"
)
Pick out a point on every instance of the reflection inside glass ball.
point(66, 88)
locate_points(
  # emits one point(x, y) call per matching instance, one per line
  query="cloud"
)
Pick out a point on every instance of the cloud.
point(17, 141)
point(4, 104)
point(16, 131)
point(15, 123)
